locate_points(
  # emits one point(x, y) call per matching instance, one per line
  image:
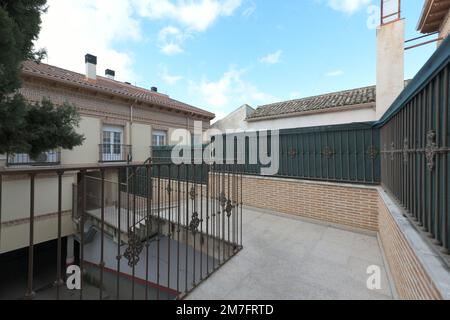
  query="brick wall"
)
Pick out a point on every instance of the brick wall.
point(349, 205)
point(411, 280)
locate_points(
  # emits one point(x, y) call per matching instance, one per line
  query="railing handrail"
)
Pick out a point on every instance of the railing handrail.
point(68, 168)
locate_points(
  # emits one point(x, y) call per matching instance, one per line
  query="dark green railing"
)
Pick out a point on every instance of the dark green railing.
point(415, 142)
point(164, 168)
point(342, 153)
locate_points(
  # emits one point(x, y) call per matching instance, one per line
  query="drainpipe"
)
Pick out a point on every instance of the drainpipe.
point(131, 123)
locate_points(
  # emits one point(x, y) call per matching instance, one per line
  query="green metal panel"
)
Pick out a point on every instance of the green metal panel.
point(330, 153)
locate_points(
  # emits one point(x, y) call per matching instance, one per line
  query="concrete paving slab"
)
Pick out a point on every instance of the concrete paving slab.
point(287, 258)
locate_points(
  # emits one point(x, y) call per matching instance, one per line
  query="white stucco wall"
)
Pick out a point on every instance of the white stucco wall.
point(16, 207)
point(88, 153)
point(390, 64)
point(235, 120)
point(319, 119)
point(16, 197)
point(17, 236)
point(141, 140)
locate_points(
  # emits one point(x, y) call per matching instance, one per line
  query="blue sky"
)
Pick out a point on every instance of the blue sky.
point(218, 55)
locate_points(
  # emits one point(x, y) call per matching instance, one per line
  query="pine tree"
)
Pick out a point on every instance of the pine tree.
point(24, 127)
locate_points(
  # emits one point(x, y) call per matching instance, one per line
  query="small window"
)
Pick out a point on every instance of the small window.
point(159, 138)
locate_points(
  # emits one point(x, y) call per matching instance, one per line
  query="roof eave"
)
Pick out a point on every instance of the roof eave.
point(205, 114)
point(425, 11)
point(312, 112)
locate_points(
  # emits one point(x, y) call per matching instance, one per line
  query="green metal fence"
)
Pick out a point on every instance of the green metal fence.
point(415, 135)
point(343, 153)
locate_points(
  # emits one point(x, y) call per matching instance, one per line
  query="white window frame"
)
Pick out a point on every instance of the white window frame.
point(159, 135)
point(111, 148)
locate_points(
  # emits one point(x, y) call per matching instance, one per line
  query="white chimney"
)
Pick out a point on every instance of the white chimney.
point(91, 66)
point(110, 74)
point(390, 58)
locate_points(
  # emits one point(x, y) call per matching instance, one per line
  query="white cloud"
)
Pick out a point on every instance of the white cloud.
point(196, 15)
point(171, 49)
point(348, 6)
point(71, 29)
point(170, 40)
point(230, 90)
point(250, 10)
point(334, 73)
point(169, 78)
point(272, 58)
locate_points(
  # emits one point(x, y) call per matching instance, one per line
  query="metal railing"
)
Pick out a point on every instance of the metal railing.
point(347, 153)
point(44, 159)
point(415, 148)
point(114, 152)
point(160, 245)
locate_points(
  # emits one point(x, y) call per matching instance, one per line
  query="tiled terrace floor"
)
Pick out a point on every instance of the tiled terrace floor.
point(287, 258)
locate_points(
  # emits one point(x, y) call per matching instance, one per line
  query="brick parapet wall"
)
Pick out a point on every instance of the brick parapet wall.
point(349, 205)
point(360, 207)
point(403, 246)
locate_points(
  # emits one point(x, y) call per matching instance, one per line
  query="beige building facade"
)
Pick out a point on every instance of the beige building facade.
point(120, 123)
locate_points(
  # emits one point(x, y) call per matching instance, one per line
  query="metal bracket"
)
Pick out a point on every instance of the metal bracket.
point(134, 249)
point(372, 152)
point(195, 223)
point(328, 152)
point(292, 153)
point(431, 149)
point(406, 150)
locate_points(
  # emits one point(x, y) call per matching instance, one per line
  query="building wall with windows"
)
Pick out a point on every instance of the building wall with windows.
point(114, 127)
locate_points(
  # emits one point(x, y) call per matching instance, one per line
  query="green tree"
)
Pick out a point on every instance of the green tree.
point(24, 127)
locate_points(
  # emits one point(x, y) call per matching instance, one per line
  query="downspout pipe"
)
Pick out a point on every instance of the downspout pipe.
point(131, 127)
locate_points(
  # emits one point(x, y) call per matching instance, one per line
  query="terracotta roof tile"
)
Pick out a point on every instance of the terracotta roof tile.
point(346, 98)
point(109, 86)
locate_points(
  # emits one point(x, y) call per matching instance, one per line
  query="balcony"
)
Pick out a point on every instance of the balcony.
point(141, 232)
point(114, 153)
point(50, 158)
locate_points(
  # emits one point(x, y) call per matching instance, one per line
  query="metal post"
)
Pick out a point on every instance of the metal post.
point(30, 293)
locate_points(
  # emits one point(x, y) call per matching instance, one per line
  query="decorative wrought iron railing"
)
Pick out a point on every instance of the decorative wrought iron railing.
point(44, 159)
point(415, 148)
point(114, 153)
point(159, 245)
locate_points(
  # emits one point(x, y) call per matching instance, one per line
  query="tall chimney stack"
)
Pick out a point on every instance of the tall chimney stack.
point(390, 56)
point(91, 66)
point(110, 74)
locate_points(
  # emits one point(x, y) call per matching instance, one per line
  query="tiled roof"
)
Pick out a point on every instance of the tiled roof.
point(324, 102)
point(106, 85)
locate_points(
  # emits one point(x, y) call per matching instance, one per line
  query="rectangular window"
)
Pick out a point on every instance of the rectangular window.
point(45, 158)
point(112, 148)
point(159, 138)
